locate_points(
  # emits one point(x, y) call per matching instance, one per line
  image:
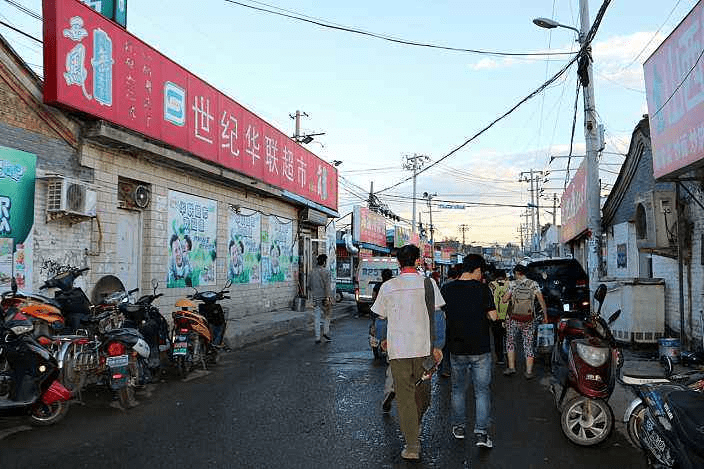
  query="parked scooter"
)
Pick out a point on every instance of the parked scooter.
point(28, 374)
point(635, 411)
point(72, 301)
point(44, 313)
point(190, 337)
point(584, 364)
point(667, 420)
point(145, 317)
point(213, 313)
point(114, 357)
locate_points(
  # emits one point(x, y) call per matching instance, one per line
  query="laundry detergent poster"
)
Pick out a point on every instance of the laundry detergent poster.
point(244, 253)
point(17, 178)
point(192, 247)
point(277, 251)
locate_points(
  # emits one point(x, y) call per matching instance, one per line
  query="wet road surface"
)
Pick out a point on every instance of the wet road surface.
point(291, 403)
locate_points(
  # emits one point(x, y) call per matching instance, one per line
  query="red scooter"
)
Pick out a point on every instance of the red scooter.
point(584, 362)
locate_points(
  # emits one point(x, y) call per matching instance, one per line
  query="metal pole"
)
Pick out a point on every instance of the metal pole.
point(592, 165)
point(298, 125)
point(532, 214)
point(680, 262)
point(414, 195)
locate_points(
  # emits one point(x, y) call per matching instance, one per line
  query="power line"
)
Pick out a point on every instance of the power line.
point(562, 71)
point(21, 32)
point(24, 9)
point(329, 25)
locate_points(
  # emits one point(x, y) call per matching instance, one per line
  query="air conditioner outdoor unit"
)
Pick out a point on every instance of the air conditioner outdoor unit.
point(660, 219)
point(70, 197)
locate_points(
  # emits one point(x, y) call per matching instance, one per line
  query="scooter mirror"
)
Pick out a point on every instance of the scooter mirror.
point(228, 283)
point(155, 283)
point(600, 293)
point(614, 316)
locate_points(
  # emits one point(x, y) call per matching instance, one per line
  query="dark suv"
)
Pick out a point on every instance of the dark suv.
point(563, 282)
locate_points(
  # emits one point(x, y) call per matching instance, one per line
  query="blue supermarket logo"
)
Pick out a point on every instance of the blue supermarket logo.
point(174, 104)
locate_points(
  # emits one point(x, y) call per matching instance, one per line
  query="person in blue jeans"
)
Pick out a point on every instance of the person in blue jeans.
point(469, 312)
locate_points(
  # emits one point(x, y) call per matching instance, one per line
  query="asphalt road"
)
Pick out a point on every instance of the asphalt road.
point(291, 403)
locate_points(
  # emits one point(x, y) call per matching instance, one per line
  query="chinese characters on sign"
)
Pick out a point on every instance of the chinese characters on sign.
point(368, 227)
point(674, 84)
point(94, 66)
point(574, 206)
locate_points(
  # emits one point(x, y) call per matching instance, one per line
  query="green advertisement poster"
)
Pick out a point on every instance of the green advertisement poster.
point(17, 178)
point(191, 238)
point(244, 253)
point(277, 251)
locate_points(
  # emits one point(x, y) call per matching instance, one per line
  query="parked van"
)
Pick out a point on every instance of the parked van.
point(367, 275)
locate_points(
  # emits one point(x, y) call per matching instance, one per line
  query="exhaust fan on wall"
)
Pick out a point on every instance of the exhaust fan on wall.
point(141, 196)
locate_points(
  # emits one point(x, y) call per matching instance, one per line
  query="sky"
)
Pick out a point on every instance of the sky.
point(378, 102)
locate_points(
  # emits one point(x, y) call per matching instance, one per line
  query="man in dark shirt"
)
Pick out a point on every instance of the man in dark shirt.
point(469, 310)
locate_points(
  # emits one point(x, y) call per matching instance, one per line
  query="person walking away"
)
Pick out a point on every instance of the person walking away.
point(522, 292)
point(470, 310)
point(499, 287)
point(445, 367)
point(402, 301)
point(319, 288)
point(389, 392)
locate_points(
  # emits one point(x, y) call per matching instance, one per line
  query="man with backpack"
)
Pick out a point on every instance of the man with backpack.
point(522, 292)
point(499, 287)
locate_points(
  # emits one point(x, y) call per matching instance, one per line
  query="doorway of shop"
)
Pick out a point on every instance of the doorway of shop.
point(128, 265)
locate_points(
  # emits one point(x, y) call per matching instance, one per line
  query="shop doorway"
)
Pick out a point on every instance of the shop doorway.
point(128, 265)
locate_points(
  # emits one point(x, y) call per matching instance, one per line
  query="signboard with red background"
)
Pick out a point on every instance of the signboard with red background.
point(677, 125)
point(574, 206)
point(368, 227)
point(94, 66)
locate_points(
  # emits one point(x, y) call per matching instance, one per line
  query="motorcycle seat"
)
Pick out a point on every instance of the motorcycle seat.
point(688, 407)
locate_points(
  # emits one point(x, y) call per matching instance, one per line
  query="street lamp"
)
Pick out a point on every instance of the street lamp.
point(552, 24)
point(593, 201)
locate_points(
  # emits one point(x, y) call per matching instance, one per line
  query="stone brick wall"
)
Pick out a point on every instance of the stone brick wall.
point(92, 243)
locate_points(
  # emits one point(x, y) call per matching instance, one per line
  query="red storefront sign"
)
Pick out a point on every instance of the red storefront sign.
point(574, 206)
point(674, 85)
point(94, 66)
point(369, 227)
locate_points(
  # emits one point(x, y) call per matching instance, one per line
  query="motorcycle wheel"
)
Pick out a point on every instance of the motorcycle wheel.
point(586, 422)
point(43, 415)
point(182, 367)
point(634, 424)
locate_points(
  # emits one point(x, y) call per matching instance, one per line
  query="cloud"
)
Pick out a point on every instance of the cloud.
point(491, 64)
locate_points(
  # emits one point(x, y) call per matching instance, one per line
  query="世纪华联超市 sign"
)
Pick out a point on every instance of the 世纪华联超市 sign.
point(94, 66)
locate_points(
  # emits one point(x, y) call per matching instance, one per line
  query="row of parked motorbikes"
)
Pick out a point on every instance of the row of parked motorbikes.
point(51, 349)
point(665, 419)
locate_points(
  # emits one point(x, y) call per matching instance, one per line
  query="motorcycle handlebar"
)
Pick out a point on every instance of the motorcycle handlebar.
point(226, 297)
point(133, 291)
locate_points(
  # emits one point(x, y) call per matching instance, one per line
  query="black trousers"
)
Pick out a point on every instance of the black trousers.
point(499, 333)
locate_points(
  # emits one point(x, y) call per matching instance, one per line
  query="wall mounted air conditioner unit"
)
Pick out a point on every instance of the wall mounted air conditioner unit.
point(66, 196)
point(660, 219)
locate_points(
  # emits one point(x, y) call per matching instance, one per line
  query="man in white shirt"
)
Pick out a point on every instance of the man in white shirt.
point(402, 301)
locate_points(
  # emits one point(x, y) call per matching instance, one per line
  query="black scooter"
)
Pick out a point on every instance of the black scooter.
point(214, 314)
point(73, 302)
point(148, 320)
point(28, 374)
point(668, 422)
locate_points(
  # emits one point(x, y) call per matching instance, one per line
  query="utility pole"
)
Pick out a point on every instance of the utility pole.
point(429, 198)
point(592, 166)
point(414, 163)
point(463, 228)
point(297, 118)
point(532, 177)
